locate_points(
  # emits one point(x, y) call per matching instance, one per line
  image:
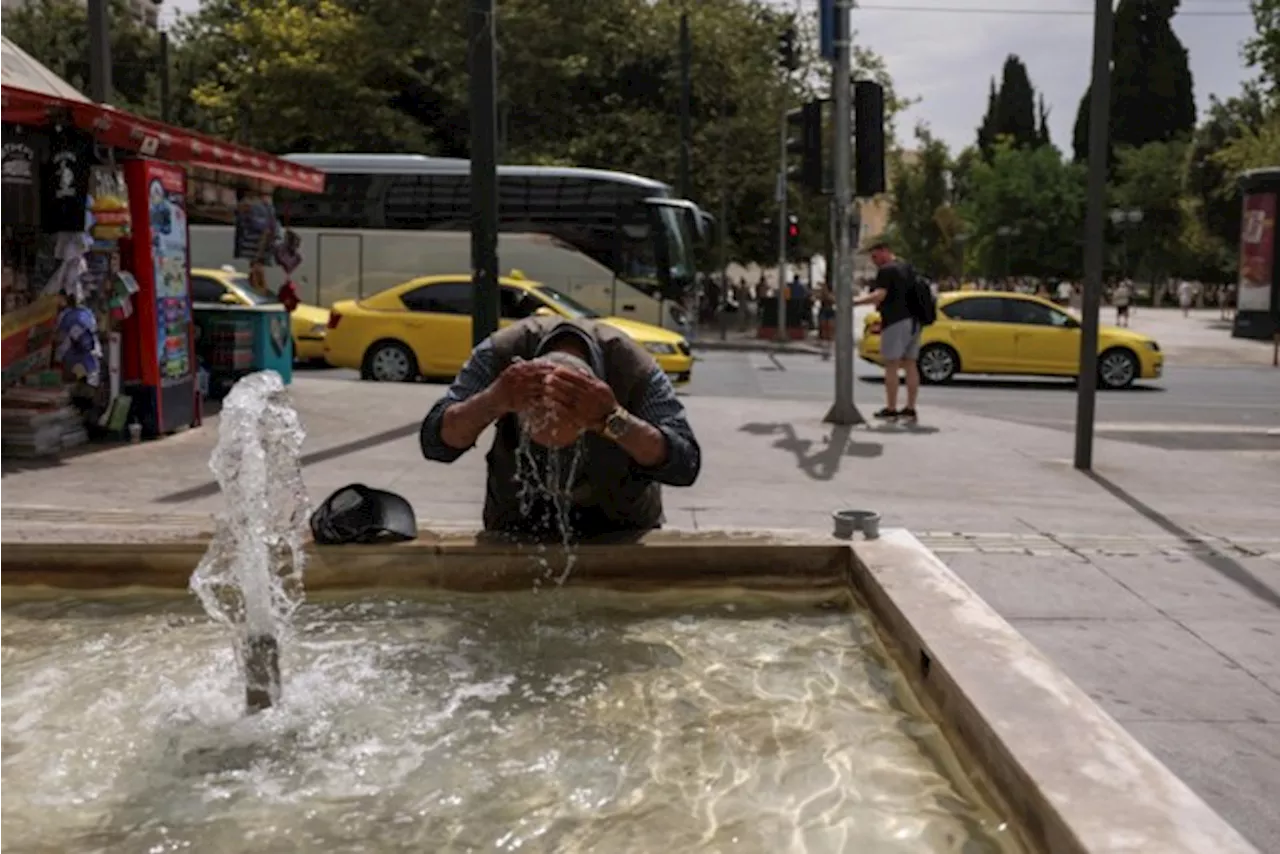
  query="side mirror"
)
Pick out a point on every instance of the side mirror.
point(1072, 323)
point(228, 299)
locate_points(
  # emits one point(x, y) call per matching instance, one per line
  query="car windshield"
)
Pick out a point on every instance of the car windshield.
point(241, 283)
point(566, 303)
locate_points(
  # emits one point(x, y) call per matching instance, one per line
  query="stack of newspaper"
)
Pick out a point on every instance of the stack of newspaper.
point(37, 422)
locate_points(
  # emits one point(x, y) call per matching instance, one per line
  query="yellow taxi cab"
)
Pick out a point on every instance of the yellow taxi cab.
point(309, 323)
point(423, 328)
point(996, 332)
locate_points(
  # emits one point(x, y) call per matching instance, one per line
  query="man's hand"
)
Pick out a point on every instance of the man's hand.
point(521, 385)
point(585, 400)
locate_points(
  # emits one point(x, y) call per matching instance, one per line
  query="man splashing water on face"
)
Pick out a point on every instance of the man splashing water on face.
point(555, 383)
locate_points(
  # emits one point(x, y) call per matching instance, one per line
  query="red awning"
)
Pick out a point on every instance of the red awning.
point(126, 131)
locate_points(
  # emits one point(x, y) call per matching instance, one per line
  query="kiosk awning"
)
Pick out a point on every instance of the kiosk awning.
point(122, 130)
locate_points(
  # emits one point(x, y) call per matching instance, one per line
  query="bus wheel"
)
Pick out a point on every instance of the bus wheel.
point(389, 362)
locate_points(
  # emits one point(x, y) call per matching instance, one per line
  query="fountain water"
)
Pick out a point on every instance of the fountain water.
point(250, 579)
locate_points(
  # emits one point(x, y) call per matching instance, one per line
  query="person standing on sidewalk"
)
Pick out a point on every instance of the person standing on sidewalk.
point(899, 331)
point(1121, 297)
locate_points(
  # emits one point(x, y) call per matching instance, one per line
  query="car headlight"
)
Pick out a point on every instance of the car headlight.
point(659, 348)
point(1152, 345)
point(319, 329)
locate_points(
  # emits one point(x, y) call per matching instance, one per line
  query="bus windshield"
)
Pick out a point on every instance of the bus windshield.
point(679, 243)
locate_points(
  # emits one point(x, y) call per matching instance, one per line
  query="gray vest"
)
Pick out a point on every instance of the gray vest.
point(608, 497)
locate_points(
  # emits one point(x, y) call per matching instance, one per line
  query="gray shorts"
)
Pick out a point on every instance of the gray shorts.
point(900, 341)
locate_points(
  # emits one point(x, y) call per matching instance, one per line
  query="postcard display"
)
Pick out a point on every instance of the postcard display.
point(158, 370)
point(63, 290)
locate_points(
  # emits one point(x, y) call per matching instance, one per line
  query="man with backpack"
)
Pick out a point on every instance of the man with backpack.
point(906, 305)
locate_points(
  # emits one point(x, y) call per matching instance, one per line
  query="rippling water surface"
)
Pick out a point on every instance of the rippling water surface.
point(552, 723)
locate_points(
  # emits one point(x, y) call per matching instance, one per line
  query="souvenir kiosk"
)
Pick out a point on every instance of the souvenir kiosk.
point(98, 338)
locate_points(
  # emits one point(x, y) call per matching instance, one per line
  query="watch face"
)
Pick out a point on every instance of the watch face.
point(617, 424)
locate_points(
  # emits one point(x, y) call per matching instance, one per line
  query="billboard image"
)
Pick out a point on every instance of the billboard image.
point(1257, 251)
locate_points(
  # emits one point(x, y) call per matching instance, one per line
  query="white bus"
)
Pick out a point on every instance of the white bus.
point(618, 243)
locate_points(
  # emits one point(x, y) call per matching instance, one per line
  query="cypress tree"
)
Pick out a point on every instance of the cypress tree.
point(1011, 110)
point(1152, 98)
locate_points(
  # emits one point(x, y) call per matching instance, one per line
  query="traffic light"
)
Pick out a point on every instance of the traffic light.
point(804, 138)
point(793, 237)
point(788, 58)
point(868, 140)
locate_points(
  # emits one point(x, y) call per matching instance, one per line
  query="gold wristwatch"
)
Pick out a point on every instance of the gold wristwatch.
point(616, 424)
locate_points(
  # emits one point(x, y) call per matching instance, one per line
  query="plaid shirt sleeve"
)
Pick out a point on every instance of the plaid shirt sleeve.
point(660, 407)
point(476, 376)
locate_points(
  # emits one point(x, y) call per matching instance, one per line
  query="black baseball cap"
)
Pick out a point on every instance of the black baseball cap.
point(362, 514)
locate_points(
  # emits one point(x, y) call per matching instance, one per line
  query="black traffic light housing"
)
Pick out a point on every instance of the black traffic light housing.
point(868, 140)
point(788, 56)
point(804, 138)
point(793, 237)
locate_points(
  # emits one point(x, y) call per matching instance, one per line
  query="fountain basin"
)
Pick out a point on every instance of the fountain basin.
point(1020, 742)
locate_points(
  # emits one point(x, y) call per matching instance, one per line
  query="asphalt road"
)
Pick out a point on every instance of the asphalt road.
point(1191, 408)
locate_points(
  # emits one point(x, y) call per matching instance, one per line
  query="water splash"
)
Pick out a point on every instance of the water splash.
point(250, 579)
point(554, 479)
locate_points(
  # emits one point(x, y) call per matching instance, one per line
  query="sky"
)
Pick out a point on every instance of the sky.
point(945, 52)
point(947, 58)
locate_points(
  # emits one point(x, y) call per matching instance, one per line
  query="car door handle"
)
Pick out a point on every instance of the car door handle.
point(628, 307)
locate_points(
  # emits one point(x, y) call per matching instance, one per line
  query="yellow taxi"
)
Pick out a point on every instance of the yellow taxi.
point(423, 328)
point(995, 332)
point(309, 323)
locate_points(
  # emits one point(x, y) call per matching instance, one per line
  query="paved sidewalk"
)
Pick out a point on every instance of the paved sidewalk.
point(1155, 583)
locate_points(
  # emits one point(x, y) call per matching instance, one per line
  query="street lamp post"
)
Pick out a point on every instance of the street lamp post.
point(1006, 233)
point(1124, 220)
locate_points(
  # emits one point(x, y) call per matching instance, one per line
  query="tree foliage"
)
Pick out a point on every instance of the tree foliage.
point(1040, 198)
point(926, 228)
point(1262, 52)
point(56, 33)
point(1013, 111)
point(1152, 98)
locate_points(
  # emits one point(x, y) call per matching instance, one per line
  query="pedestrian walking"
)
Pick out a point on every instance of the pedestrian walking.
point(1185, 293)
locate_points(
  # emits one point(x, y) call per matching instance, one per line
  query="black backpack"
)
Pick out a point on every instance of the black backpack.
point(921, 305)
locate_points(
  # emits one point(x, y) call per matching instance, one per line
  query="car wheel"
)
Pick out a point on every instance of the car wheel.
point(1117, 368)
point(938, 363)
point(390, 362)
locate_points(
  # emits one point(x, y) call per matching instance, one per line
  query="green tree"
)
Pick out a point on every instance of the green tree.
point(1036, 195)
point(1149, 179)
point(1262, 52)
point(1011, 110)
point(291, 77)
point(1212, 196)
point(1152, 97)
point(56, 33)
point(924, 225)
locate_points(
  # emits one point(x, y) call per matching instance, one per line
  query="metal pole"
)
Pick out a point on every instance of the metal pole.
point(843, 411)
point(782, 214)
point(686, 97)
point(1095, 214)
point(484, 171)
point(164, 76)
point(99, 51)
point(722, 230)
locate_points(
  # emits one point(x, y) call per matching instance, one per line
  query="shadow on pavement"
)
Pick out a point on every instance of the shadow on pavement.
point(211, 488)
point(824, 462)
point(1064, 385)
point(1202, 551)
